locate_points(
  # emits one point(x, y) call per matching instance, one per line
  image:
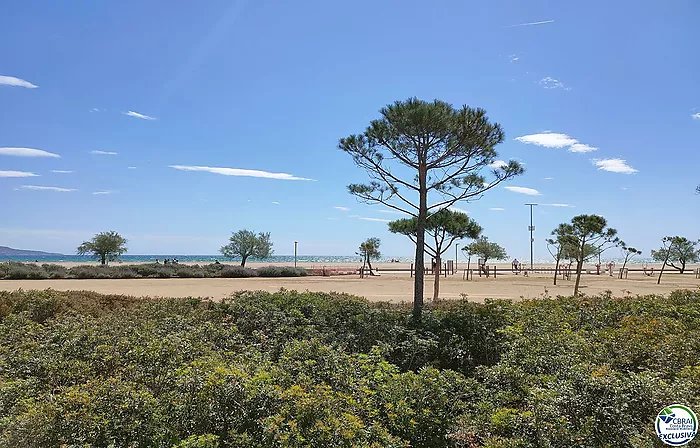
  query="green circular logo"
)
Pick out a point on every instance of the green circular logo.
point(676, 425)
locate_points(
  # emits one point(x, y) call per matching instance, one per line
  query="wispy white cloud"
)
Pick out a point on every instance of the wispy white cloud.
point(393, 212)
point(513, 58)
point(61, 171)
point(614, 165)
point(17, 174)
point(95, 109)
point(43, 188)
point(555, 140)
point(131, 167)
point(342, 209)
point(16, 82)
point(497, 164)
point(543, 22)
point(332, 219)
point(551, 83)
point(581, 147)
point(557, 205)
point(131, 113)
point(696, 116)
point(104, 153)
point(548, 178)
point(460, 210)
point(497, 209)
point(523, 190)
point(26, 152)
point(275, 202)
point(365, 218)
point(238, 172)
point(103, 192)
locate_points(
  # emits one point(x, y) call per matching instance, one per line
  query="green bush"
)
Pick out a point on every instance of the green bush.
point(292, 369)
point(22, 271)
point(237, 272)
point(281, 271)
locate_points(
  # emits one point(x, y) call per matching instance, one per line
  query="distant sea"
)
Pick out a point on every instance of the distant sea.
point(274, 259)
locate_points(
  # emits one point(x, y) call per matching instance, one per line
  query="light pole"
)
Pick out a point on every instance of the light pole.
point(295, 253)
point(532, 240)
point(456, 246)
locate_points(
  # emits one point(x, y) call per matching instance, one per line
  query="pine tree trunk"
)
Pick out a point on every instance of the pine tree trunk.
point(579, 266)
point(420, 244)
point(369, 262)
point(436, 285)
point(556, 271)
point(243, 259)
point(658, 281)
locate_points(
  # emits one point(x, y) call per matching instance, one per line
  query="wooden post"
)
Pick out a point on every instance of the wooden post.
point(494, 271)
point(445, 270)
point(411, 270)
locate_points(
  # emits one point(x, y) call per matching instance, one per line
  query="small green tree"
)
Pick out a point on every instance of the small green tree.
point(562, 246)
point(676, 251)
point(369, 250)
point(485, 249)
point(105, 246)
point(443, 228)
point(628, 253)
point(591, 236)
point(245, 243)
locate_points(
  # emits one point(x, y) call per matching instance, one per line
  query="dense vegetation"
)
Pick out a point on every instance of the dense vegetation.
point(30, 271)
point(330, 370)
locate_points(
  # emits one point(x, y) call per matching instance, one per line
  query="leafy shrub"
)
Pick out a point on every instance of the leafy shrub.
point(292, 369)
point(237, 272)
point(55, 270)
point(22, 271)
point(281, 271)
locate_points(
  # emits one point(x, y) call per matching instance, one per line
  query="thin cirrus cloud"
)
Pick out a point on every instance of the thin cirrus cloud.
point(550, 83)
point(17, 174)
point(614, 166)
point(238, 172)
point(275, 202)
point(555, 140)
point(557, 205)
point(43, 188)
point(523, 190)
point(342, 209)
point(548, 178)
point(103, 153)
point(696, 116)
point(26, 152)
point(103, 192)
point(61, 171)
point(131, 113)
point(497, 209)
point(542, 22)
point(16, 82)
point(365, 218)
point(498, 164)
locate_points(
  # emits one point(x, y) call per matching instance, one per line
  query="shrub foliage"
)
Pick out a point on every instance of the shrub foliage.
point(30, 271)
point(308, 369)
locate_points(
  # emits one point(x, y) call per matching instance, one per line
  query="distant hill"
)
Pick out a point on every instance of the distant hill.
point(4, 250)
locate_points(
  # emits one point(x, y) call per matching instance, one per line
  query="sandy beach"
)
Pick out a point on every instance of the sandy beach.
point(390, 286)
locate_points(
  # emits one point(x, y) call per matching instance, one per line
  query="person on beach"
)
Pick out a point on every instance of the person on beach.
point(516, 266)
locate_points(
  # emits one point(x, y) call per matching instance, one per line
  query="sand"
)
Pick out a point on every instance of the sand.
point(392, 287)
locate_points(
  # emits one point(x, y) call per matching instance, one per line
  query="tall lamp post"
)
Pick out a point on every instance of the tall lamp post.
point(456, 246)
point(295, 253)
point(531, 228)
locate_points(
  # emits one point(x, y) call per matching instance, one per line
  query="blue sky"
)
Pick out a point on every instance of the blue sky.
point(272, 86)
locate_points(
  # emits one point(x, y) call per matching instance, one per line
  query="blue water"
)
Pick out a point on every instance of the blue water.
point(271, 260)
